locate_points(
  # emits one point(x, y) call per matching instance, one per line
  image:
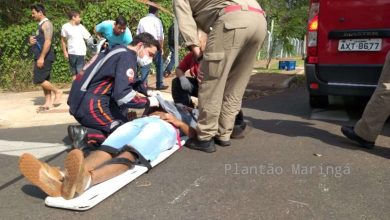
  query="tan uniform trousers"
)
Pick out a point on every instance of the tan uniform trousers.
point(227, 64)
point(378, 108)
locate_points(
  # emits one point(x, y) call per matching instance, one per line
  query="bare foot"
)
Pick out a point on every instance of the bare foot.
point(57, 99)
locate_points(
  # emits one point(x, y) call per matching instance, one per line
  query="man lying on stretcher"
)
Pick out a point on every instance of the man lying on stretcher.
point(137, 141)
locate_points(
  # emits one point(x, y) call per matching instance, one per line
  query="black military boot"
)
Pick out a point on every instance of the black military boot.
point(222, 143)
point(240, 130)
point(206, 146)
point(78, 135)
point(350, 134)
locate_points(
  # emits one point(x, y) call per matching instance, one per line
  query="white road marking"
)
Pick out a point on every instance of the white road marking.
point(38, 149)
point(300, 203)
point(193, 185)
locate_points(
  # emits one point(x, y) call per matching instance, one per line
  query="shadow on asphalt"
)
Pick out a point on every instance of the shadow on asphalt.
point(27, 188)
point(304, 129)
point(34, 191)
point(294, 101)
point(47, 134)
point(39, 100)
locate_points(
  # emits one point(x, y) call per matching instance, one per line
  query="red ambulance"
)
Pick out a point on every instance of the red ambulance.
point(347, 41)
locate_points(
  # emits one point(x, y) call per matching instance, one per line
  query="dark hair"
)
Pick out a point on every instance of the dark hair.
point(120, 20)
point(147, 39)
point(72, 14)
point(153, 10)
point(38, 8)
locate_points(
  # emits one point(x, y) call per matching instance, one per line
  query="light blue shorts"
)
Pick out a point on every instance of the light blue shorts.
point(148, 135)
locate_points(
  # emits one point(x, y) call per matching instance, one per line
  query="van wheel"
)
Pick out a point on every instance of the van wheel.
point(319, 101)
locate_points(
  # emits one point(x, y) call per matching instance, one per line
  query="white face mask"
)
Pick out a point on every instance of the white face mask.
point(145, 60)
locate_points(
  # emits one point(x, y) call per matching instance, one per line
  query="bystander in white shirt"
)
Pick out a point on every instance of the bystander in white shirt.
point(75, 36)
point(152, 25)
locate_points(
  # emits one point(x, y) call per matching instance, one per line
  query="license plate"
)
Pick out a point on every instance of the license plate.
point(360, 45)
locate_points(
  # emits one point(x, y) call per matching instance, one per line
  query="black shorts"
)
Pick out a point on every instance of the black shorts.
point(40, 75)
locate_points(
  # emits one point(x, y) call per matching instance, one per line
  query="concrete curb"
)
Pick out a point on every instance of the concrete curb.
point(288, 82)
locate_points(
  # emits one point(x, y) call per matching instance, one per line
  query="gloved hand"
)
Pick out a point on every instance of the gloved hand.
point(153, 102)
point(90, 42)
point(185, 83)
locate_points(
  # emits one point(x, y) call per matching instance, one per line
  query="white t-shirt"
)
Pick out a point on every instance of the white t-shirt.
point(152, 25)
point(75, 35)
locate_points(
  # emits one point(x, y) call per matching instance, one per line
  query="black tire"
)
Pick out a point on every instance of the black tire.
point(318, 101)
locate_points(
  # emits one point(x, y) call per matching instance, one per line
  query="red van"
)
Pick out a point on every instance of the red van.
point(347, 41)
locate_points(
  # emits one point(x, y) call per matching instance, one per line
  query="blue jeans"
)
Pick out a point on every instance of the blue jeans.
point(171, 63)
point(158, 61)
point(148, 135)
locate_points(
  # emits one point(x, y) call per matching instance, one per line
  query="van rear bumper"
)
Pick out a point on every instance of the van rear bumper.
point(340, 85)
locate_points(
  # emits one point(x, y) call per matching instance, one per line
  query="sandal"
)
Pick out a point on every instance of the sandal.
point(42, 109)
point(55, 105)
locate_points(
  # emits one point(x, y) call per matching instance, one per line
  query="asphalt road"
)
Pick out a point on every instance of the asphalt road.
point(291, 166)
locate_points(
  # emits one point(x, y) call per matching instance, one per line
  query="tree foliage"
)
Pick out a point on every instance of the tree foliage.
point(16, 25)
point(18, 11)
point(290, 18)
point(15, 59)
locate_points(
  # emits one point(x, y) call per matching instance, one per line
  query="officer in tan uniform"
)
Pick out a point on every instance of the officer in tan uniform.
point(236, 29)
point(368, 128)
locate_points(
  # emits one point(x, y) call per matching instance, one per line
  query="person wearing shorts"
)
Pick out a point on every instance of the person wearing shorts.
point(73, 36)
point(44, 57)
point(42, 74)
point(76, 63)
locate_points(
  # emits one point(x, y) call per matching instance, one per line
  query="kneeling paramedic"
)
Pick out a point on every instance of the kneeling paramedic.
point(100, 97)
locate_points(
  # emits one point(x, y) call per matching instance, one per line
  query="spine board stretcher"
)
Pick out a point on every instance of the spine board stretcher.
point(101, 191)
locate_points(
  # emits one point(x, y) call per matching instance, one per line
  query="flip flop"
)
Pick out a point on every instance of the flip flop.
point(55, 105)
point(42, 109)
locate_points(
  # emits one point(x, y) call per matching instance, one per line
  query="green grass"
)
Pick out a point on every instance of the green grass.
point(271, 70)
point(274, 66)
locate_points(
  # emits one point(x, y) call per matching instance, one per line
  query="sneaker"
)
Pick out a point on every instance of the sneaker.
point(78, 135)
point(350, 134)
point(46, 177)
point(162, 88)
point(76, 177)
point(222, 143)
point(206, 146)
point(240, 131)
